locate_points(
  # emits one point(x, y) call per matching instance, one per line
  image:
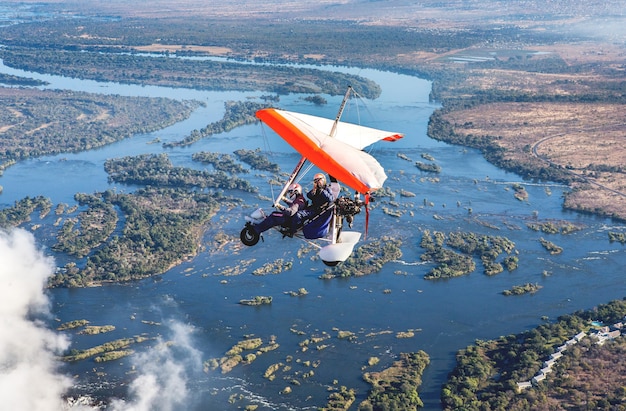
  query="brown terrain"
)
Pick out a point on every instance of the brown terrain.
point(586, 138)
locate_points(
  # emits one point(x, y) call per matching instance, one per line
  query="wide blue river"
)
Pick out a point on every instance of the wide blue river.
point(201, 298)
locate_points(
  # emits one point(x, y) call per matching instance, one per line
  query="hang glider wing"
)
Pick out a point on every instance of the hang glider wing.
point(353, 134)
point(339, 156)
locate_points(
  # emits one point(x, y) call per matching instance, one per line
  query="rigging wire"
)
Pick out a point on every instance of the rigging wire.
point(360, 102)
point(301, 175)
point(266, 146)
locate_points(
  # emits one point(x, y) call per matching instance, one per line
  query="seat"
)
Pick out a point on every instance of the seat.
point(317, 226)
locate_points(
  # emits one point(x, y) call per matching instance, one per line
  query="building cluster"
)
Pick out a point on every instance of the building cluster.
point(600, 335)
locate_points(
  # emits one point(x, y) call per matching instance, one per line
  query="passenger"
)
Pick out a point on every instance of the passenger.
point(320, 195)
point(296, 202)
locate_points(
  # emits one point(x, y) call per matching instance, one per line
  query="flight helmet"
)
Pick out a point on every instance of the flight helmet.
point(320, 176)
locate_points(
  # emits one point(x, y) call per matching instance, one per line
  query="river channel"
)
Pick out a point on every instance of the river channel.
point(468, 195)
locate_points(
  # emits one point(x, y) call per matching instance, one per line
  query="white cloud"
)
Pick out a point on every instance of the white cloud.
point(163, 375)
point(29, 379)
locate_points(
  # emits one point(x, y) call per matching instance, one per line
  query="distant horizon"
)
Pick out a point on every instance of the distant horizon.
point(454, 14)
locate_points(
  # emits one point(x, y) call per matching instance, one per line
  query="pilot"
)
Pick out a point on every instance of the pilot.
point(295, 201)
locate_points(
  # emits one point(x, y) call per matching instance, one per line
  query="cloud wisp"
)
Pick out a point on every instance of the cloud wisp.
point(164, 373)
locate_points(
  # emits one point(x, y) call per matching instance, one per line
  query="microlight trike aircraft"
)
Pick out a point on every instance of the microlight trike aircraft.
point(336, 148)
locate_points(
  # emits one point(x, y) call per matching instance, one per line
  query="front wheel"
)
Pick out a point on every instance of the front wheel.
point(248, 236)
point(331, 263)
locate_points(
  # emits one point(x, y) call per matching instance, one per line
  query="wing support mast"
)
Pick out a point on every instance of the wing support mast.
point(300, 164)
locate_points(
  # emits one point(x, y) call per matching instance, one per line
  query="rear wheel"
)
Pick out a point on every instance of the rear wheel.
point(248, 236)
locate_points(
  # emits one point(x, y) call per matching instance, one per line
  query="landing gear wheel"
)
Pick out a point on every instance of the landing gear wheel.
point(248, 236)
point(331, 263)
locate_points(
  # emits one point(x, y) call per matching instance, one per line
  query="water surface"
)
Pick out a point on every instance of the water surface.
point(468, 195)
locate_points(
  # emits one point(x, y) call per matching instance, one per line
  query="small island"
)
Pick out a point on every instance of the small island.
point(550, 246)
point(317, 100)
point(617, 237)
point(258, 300)
point(428, 167)
point(237, 354)
point(527, 288)
point(520, 192)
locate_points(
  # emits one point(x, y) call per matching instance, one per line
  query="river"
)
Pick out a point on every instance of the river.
point(197, 296)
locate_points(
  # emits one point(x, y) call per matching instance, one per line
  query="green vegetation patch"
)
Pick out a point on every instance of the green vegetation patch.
point(555, 227)
point(237, 354)
point(273, 267)
point(617, 237)
point(220, 162)
point(79, 236)
point(20, 212)
point(550, 246)
point(72, 324)
point(367, 259)
point(113, 355)
point(299, 293)
point(458, 260)
point(258, 300)
point(341, 399)
point(256, 160)
point(163, 227)
point(528, 288)
point(428, 167)
point(520, 192)
point(157, 170)
point(97, 329)
point(79, 355)
point(395, 388)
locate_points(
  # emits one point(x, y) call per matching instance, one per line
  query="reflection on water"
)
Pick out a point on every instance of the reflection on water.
point(468, 195)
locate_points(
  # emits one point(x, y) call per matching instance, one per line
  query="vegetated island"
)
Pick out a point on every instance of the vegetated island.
point(367, 259)
point(258, 300)
point(550, 246)
point(428, 167)
point(522, 289)
point(105, 352)
point(454, 253)
point(69, 121)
